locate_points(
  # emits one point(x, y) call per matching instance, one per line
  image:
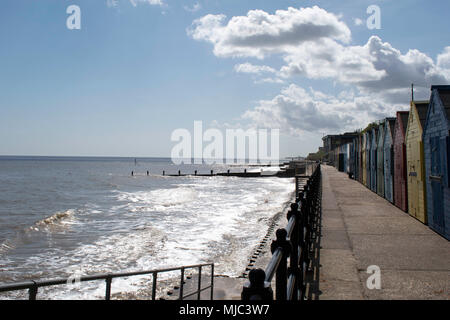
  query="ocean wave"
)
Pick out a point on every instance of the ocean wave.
point(217, 219)
point(52, 223)
point(56, 220)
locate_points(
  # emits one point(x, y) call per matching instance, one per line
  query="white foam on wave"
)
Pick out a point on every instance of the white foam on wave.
point(160, 198)
point(58, 219)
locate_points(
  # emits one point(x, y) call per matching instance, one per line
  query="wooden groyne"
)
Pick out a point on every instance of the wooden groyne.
point(287, 170)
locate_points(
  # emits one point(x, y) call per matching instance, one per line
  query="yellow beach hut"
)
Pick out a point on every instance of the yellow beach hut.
point(415, 163)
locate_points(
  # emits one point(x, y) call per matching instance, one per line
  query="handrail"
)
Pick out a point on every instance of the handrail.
point(273, 264)
point(33, 286)
point(293, 243)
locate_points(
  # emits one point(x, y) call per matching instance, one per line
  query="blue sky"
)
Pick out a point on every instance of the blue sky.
point(137, 70)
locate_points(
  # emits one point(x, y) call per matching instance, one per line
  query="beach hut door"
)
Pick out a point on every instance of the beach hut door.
point(436, 178)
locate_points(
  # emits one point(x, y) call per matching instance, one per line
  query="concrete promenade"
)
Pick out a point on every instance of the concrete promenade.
point(359, 229)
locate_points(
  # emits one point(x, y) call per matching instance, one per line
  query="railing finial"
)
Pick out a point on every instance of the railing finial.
point(257, 288)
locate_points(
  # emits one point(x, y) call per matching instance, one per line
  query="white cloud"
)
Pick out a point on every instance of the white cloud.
point(315, 44)
point(259, 33)
point(357, 21)
point(150, 2)
point(251, 68)
point(373, 67)
point(195, 7)
point(297, 112)
point(443, 60)
point(269, 80)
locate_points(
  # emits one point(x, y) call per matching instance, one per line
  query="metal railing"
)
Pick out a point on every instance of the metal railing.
point(33, 286)
point(293, 243)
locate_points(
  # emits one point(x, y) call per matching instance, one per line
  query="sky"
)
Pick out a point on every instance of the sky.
point(136, 70)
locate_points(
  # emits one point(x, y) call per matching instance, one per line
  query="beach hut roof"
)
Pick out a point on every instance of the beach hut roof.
point(422, 110)
point(391, 123)
point(444, 94)
point(404, 118)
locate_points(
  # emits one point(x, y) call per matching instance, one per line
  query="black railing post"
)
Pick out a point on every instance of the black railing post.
point(181, 284)
point(295, 241)
point(32, 292)
point(199, 284)
point(155, 279)
point(212, 281)
point(108, 280)
point(281, 276)
point(303, 247)
point(257, 288)
point(306, 214)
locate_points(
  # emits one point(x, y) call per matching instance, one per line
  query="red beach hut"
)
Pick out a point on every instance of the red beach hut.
point(400, 181)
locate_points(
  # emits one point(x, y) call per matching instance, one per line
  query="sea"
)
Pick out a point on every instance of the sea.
point(65, 216)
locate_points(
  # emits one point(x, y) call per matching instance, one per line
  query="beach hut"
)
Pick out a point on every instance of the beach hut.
point(380, 161)
point(373, 159)
point(368, 157)
point(360, 160)
point(415, 164)
point(363, 159)
point(400, 181)
point(356, 143)
point(351, 162)
point(348, 162)
point(388, 150)
point(437, 160)
point(342, 167)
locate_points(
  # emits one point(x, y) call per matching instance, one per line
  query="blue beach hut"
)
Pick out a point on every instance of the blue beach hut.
point(368, 157)
point(437, 160)
point(373, 159)
point(388, 149)
point(380, 160)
